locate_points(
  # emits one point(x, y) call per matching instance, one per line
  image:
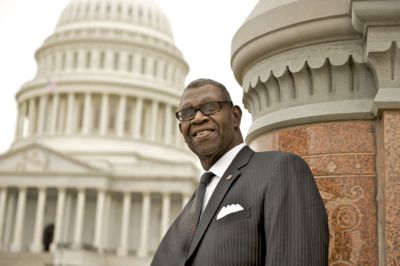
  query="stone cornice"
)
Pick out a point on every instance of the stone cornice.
point(289, 26)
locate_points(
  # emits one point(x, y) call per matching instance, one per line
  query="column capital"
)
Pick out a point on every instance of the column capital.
point(61, 189)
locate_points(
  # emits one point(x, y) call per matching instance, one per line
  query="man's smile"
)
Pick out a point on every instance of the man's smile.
point(203, 133)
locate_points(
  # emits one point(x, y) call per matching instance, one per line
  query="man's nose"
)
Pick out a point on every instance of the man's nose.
point(199, 117)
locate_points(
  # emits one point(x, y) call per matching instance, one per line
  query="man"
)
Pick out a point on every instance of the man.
point(259, 208)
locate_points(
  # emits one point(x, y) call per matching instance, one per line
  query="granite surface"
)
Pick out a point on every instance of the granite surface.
point(391, 165)
point(342, 156)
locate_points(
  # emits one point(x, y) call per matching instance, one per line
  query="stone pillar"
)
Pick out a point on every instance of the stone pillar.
point(66, 227)
point(144, 232)
point(379, 23)
point(107, 214)
point(154, 121)
point(32, 116)
point(9, 222)
point(126, 208)
point(79, 217)
point(168, 124)
point(121, 116)
point(71, 114)
point(99, 222)
point(16, 245)
point(54, 113)
point(165, 213)
point(42, 116)
point(20, 120)
point(336, 103)
point(87, 114)
point(104, 115)
point(3, 200)
point(59, 218)
point(36, 245)
point(137, 122)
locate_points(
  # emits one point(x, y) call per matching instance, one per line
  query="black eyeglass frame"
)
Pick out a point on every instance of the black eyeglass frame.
point(199, 108)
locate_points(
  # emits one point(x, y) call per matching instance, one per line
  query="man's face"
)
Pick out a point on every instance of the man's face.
point(209, 136)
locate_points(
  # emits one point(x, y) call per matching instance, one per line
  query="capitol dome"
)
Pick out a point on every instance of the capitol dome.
point(109, 77)
point(119, 14)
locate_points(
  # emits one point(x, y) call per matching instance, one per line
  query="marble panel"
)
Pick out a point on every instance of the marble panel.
point(391, 140)
point(320, 138)
point(350, 202)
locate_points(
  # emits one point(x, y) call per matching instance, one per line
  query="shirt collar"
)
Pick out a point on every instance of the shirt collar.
point(220, 166)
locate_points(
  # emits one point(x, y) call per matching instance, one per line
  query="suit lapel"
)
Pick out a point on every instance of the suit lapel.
point(231, 174)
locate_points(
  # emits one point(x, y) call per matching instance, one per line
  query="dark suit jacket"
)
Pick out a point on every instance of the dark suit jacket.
point(283, 221)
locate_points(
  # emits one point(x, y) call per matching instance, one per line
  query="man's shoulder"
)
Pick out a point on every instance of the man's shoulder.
point(277, 157)
point(275, 154)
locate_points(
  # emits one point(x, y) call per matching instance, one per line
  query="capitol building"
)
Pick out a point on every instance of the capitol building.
point(98, 169)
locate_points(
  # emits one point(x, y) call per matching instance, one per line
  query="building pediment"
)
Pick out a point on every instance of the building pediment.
point(37, 158)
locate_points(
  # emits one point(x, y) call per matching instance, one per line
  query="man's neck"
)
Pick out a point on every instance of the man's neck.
point(207, 161)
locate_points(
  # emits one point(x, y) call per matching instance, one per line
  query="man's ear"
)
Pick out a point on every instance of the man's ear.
point(237, 116)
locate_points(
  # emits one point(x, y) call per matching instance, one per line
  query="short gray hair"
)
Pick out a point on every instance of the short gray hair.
point(203, 82)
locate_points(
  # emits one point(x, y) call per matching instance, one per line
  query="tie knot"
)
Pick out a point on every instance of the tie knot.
point(206, 177)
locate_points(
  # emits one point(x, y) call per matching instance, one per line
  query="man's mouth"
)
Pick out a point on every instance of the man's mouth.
point(203, 133)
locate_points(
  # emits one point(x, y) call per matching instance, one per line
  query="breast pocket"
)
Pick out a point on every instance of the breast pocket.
point(233, 217)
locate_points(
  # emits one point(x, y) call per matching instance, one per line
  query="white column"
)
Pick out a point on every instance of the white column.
point(107, 213)
point(42, 114)
point(19, 221)
point(154, 121)
point(54, 113)
point(9, 223)
point(126, 208)
point(65, 234)
point(144, 233)
point(104, 115)
point(168, 124)
point(98, 227)
point(109, 60)
point(137, 123)
point(32, 116)
point(3, 199)
point(36, 245)
point(59, 218)
point(18, 131)
point(87, 114)
point(20, 120)
point(121, 116)
point(80, 212)
point(165, 215)
point(81, 64)
point(123, 60)
point(70, 114)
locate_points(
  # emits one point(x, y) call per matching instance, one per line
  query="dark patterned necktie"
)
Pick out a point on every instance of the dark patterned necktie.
point(199, 196)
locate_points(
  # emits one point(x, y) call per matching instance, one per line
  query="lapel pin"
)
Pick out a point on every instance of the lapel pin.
point(229, 177)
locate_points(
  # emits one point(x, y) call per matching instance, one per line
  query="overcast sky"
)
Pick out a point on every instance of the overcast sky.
point(203, 30)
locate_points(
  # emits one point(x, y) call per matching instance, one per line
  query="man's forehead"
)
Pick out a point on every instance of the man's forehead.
point(194, 96)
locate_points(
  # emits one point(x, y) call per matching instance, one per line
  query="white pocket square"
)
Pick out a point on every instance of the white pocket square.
point(231, 208)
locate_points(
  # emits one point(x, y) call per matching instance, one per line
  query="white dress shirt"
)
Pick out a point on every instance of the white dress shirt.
point(219, 169)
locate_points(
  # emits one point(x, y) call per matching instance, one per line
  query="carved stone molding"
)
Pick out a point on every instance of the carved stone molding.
point(379, 22)
point(324, 82)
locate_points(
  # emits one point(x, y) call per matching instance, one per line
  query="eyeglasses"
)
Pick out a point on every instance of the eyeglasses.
point(206, 109)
